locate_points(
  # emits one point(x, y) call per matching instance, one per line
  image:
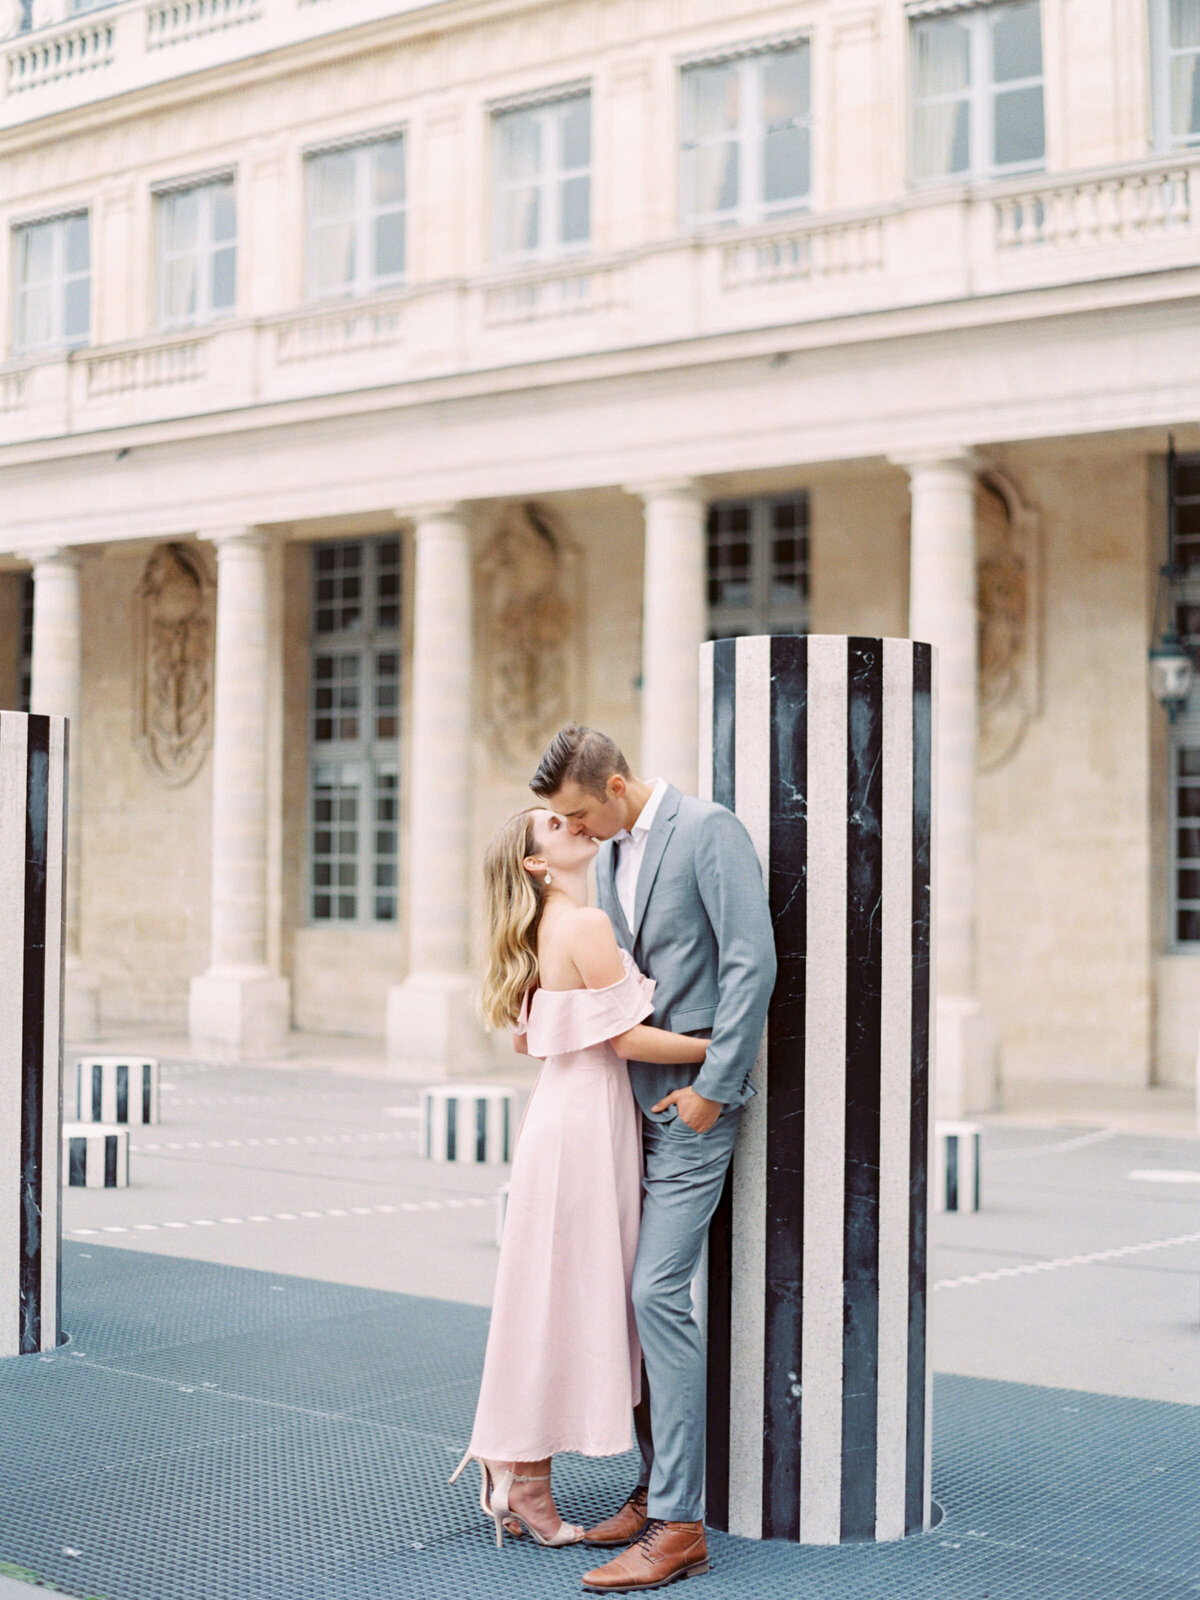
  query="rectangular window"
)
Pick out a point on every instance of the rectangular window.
point(977, 89)
point(758, 566)
point(747, 136)
point(543, 173)
point(53, 284)
point(354, 732)
point(25, 660)
point(357, 209)
point(1175, 41)
point(197, 244)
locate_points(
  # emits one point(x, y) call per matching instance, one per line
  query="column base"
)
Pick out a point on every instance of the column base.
point(967, 1076)
point(81, 1003)
point(433, 1028)
point(245, 1009)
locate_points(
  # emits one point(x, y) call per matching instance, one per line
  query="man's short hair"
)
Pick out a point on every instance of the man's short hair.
point(579, 755)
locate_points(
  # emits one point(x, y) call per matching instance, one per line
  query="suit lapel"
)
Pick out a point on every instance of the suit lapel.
point(656, 842)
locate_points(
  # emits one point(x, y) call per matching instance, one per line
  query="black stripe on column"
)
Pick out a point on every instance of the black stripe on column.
point(33, 1033)
point(77, 1163)
point(720, 1231)
point(97, 1092)
point(975, 1196)
point(951, 1195)
point(864, 984)
point(147, 1074)
point(787, 880)
point(123, 1092)
point(110, 1160)
point(918, 1148)
point(451, 1129)
point(481, 1111)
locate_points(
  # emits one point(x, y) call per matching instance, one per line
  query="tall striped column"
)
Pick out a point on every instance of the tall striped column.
point(818, 1404)
point(33, 814)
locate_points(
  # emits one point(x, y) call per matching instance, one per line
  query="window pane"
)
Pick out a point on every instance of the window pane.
point(332, 184)
point(181, 220)
point(518, 221)
point(518, 145)
point(710, 101)
point(35, 254)
point(1188, 886)
point(35, 318)
point(941, 57)
point(941, 139)
point(713, 172)
point(1189, 762)
point(576, 132)
point(1187, 927)
point(77, 255)
point(224, 213)
point(576, 210)
point(1189, 844)
point(786, 165)
point(388, 165)
point(224, 279)
point(389, 245)
point(785, 86)
point(1016, 42)
point(334, 256)
point(1020, 131)
point(1185, 96)
point(179, 288)
point(77, 310)
point(1185, 24)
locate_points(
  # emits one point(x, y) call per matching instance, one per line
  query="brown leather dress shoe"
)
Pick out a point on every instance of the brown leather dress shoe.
point(624, 1527)
point(665, 1552)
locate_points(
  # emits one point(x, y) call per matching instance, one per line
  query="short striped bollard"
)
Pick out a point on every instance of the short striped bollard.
point(122, 1089)
point(468, 1122)
point(956, 1166)
point(95, 1156)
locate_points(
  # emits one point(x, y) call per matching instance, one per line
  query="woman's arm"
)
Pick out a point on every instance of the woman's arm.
point(597, 959)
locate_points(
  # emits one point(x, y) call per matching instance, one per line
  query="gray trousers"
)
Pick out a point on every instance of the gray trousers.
point(684, 1175)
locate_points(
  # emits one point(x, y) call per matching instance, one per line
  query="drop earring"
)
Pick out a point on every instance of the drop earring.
point(548, 880)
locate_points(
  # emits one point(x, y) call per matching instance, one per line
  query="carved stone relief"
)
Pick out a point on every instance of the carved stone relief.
point(1008, 601)
point(173, 630)
point(528, 592)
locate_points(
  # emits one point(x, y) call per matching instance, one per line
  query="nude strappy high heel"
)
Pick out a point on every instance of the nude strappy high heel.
point(493, 1499)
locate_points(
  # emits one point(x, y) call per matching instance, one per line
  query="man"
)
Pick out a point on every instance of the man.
point(682, 884)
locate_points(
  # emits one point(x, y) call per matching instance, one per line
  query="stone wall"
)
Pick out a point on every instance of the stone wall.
point(10, 640)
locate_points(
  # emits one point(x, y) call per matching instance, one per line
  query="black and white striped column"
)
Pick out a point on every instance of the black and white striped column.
point(33, 792)
point(818, 1406)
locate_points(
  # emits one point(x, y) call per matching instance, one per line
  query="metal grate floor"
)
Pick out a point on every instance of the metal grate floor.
point(212, 1433)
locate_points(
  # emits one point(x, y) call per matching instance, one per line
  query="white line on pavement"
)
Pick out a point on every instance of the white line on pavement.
point(1156, 1176)
point(1026, 1268)
point(293, 1216)
point(1078, 1143)
point(294, 1139)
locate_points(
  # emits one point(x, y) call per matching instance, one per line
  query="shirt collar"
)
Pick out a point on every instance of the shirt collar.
point(650, 810)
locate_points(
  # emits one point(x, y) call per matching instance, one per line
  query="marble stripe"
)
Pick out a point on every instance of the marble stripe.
point(13, 767)
point(719, 687)
point(33, 1030)
point(704, 746)
point(752, 740)
point(784, 1092)
point(918, 1496)
point(52, 1064)
point(825, 1074)
point(895, 1092)
point(864, 878)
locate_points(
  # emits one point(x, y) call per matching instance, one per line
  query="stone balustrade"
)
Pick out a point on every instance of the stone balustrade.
point(935, 247)
point(179, 20)
point(85, 44)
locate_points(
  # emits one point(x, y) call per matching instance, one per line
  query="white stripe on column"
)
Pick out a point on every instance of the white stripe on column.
point(895, 1090)
point(825, 1096)
point(704, 780)
point(13, 765)
point(51, 1195)
point(753, 767)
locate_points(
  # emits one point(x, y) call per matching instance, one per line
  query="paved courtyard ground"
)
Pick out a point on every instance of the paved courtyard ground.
point(276, 1336)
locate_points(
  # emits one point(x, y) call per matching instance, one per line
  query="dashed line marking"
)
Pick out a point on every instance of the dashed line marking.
point(1155, 1175)
point(1027, 1268)
point(297, 1216)
point(388, 1134)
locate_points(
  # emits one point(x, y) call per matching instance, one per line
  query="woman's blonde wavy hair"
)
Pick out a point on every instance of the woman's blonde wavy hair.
point(514, 903)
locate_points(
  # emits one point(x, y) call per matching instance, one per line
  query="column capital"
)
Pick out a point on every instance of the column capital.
point(966, 461)
point(237, 536)
point(54, 555)
point(429, 515)
point(683, 489)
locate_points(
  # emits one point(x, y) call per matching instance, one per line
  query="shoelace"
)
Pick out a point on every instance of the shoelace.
point(649, 1532)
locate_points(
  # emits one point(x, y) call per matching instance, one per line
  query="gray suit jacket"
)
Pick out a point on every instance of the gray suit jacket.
point(702, 931)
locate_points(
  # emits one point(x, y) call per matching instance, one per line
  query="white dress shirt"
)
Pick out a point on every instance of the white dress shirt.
point(631, 847)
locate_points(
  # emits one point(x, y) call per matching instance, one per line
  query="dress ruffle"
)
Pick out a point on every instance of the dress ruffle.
point(558, 1021)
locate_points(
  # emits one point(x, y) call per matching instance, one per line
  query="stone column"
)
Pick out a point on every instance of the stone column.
point(432, 1027)
point(33, 754)
point(239, 1003)
point(674, 626)
point(943, 610)
point(55, 691)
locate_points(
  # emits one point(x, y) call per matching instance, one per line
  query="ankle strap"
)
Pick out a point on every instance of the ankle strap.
point(525, 1477)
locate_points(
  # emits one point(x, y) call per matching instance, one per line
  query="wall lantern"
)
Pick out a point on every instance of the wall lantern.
point(1172, 667)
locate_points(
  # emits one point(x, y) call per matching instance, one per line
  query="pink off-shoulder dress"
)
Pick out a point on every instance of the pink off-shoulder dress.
point(562, 1368)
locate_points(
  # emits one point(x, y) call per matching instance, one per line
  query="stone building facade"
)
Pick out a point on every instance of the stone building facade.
point(382, 383)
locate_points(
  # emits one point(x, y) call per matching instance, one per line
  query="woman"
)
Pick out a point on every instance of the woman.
point(562, 1369)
